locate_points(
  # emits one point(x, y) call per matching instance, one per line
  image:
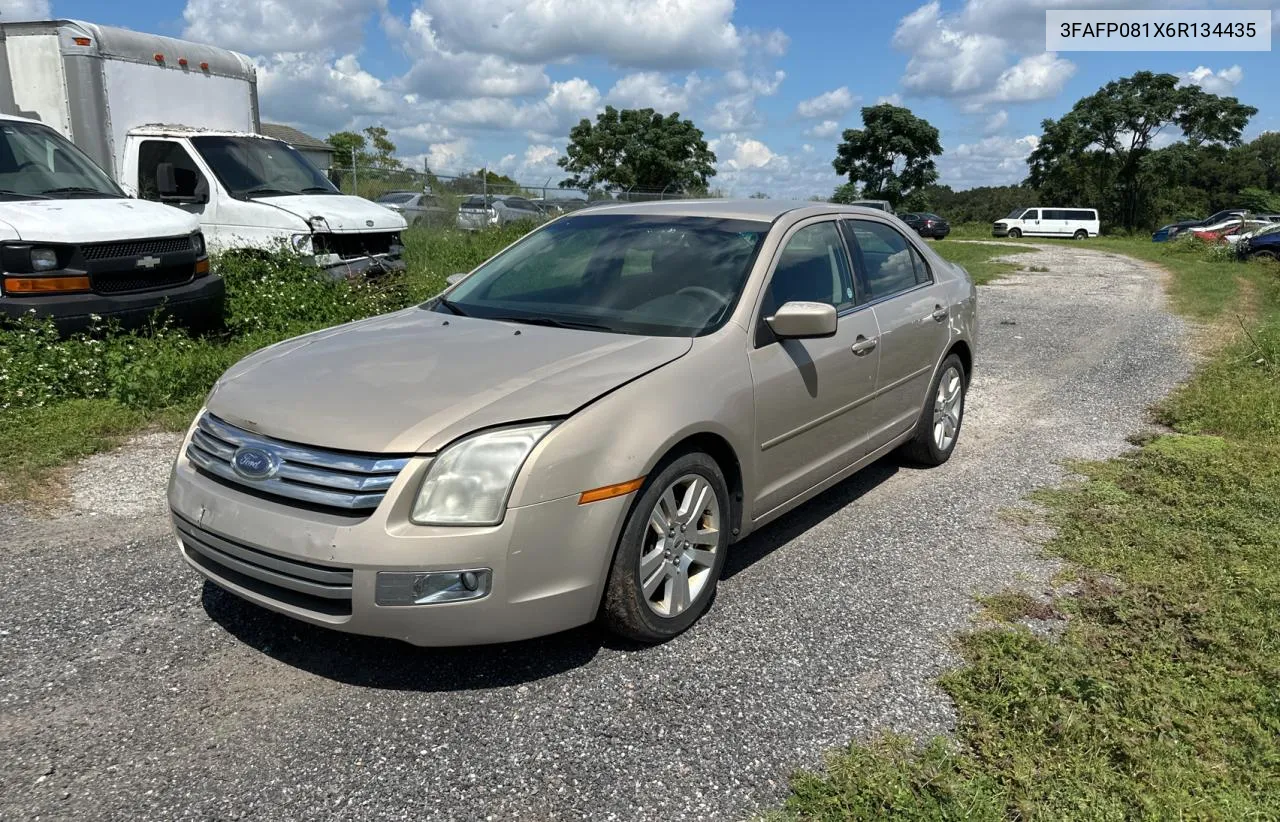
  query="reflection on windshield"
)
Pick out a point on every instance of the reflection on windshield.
point(625, 273)
point(257, 167)
point(1015, 214)
point(38, 163)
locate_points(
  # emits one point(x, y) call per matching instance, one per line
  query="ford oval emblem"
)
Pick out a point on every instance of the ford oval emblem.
point(254, 463)
point(369, 223)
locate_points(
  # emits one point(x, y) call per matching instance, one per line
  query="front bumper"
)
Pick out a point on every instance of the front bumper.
point(1000, 231)
point(549, 561)
point(379, 265)
point(197, 305)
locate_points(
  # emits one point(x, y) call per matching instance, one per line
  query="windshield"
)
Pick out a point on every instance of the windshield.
point(257, 167)
point(624, 273)
point(37, 162)
point(1015, 214)
point(396, 198)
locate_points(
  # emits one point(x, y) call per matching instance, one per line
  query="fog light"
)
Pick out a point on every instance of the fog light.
point(432, 587)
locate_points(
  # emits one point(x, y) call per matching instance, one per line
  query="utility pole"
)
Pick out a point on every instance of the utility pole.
point(484, 183)
point(355, 181)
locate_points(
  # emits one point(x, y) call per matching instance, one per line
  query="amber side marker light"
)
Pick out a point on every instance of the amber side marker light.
point(44, 285)
point(202, 267)
point(610, 491)
point(82, 41)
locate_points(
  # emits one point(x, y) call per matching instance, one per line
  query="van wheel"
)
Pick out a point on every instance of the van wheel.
point(938, 429)
point(1081, 235)
point(671, 552)
point(1015, 233)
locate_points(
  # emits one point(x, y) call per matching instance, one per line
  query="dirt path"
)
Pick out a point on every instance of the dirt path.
point(128, 690)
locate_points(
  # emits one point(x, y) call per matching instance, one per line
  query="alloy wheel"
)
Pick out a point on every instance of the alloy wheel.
point(680, 545)
point(948, 405)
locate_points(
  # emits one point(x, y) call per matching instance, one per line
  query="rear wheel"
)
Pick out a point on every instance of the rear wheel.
point(1265, 254)
point(938, 428)
point(1015, 233)
point(1081, 235)
point(671, 551)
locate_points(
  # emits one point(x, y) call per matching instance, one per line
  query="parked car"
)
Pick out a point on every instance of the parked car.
point(926, 224)
point(478, 211)
point(880, 205)
point(73, 246)
point(1078, 223)
point(1263, 244)
point(1231, 226)
point(417, 208)
point(579, 428)
point(1172, 230)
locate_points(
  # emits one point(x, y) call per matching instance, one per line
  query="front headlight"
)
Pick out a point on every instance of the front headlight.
point(197, 244)
point(469, 482)
point(301, 243)
point(44, 259)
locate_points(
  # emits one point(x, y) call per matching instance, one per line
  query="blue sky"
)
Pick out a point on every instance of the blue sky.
point(461, 83)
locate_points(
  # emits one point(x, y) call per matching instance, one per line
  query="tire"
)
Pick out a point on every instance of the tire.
point(1080, 235)
point(928, 447)
point(628, 610)
point(1265, 254)
point(1015, 233)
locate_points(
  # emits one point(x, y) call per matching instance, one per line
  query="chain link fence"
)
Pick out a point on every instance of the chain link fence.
point(430, 198)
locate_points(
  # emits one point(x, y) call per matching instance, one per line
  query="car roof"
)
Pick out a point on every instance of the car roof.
point(746, 209)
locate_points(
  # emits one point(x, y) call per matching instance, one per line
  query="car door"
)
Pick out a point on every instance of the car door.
point(810, 395)
point(912, 313)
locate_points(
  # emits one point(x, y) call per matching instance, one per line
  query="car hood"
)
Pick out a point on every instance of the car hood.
point(92, 220)
point(414, 380)
point(341, 212)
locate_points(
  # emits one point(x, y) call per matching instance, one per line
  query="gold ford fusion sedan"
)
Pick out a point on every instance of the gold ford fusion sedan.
point(581, 427)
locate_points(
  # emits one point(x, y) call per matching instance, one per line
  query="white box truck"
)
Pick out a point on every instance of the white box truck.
point(177, 122)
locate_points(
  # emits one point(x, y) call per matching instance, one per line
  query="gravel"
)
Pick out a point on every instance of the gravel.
point(128, 690)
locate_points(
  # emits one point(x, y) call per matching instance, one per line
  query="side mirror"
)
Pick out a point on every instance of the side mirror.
point(453, 279)
point(803, 320)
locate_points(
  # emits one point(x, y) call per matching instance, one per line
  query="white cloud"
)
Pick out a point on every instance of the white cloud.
point(894, 99)
point(835, 103)
point(765, 85)
point(15, 11)
point(971, 55)
point(747, 165)
point(991, 161)
point(652, 89)
point(440, 73)
point(1223, 81)
point(641, 33)
point(322, 95)
point(735, 113)
point(806, 148)
point(996, 122)
point(453, 157)
point(827, 128)
point(266, 26)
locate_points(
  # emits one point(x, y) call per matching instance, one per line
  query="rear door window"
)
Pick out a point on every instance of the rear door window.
point(886, 261)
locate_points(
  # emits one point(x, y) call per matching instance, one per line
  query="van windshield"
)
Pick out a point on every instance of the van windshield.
point(258, 167)
point(38, 163)
point(1015, 214)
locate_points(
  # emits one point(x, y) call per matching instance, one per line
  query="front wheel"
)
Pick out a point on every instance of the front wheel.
point(1015, 233)
point(1266, 254)
point(671, 551)
point(938, 428)
point(1081, 235)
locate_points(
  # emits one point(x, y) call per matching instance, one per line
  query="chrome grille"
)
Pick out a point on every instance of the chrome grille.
point(348, 483)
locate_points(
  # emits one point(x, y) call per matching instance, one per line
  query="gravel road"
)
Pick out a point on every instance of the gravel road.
point(130, 691)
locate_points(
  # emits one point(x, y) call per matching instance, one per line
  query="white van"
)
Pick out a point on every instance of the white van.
point(1078, 223)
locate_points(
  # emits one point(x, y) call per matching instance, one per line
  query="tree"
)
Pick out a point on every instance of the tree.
point(383, 154)
point(1096, 153)
point(846, 193)
point(346, 146)
point(637, 149)
point(891, 155)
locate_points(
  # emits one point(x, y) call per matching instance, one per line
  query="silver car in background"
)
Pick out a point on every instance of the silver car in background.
point(418, 208)
point(479, 211)
point(581, 427)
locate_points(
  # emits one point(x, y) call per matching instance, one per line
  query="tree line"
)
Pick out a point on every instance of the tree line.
point(1101, 154)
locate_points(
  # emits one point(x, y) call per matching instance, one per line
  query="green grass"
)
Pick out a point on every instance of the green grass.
point(979, 260)
point(1161, 698)
point(65, 399)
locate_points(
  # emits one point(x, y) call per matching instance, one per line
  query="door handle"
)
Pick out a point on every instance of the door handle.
point(862, 346)
point(940, 314)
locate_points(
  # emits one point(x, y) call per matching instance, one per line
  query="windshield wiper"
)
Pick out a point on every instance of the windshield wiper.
point(318, 190)
point(26, 194)
point(451, 307)
point(262, 192)
point(554, 323)
point(80, 190)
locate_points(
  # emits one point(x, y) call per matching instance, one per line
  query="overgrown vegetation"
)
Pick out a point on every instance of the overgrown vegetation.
point(65, 398)
point(1161, 697)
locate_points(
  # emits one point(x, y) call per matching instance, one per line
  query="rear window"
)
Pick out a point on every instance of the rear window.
point(474, 202)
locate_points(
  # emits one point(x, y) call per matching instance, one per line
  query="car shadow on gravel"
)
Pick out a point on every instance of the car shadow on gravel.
point(389, 664)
